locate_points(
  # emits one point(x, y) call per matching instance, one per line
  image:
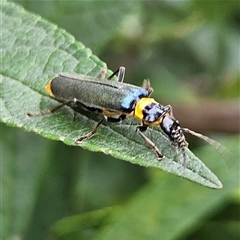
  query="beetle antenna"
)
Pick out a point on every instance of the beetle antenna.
point(218, 146)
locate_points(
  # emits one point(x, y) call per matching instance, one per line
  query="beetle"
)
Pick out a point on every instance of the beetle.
point(117, 100)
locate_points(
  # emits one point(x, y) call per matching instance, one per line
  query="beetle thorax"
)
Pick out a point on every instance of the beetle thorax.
point(149, 111)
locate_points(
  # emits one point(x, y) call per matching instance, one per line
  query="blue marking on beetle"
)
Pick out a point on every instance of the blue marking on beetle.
point(133, 95)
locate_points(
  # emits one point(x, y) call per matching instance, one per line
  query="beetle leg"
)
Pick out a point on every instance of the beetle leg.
point(146, 85)
point(168, 109)
point(90, 134)
point(102, 74)
point(51, 110)
point(115, 120)
point(120, 74)
point(140, 130)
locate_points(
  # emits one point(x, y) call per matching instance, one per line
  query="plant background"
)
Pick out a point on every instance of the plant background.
point(190, 52)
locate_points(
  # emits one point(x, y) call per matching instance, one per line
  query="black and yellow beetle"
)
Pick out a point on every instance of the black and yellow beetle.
point(117, 100)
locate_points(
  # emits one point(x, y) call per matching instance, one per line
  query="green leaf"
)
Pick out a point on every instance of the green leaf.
point(33, 51)
point(92, 22)
point(21, 178)
point(74, 227)
point(165, 201)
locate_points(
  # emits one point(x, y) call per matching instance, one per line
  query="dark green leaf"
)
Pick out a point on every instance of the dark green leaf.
point(168, 208)
point(76, 227)
point(34, 51)
point(165, 201)
point(21, 178)
point(92, 22)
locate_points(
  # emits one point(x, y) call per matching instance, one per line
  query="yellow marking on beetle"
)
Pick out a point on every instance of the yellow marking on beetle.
point(110, 113)
point(141, 105)
point(156, 123)
point(48, 88)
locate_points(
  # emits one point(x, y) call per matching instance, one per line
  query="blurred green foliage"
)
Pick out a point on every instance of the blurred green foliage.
point(189, 49)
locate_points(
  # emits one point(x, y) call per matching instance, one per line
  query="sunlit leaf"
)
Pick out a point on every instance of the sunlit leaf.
point(33, 51)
